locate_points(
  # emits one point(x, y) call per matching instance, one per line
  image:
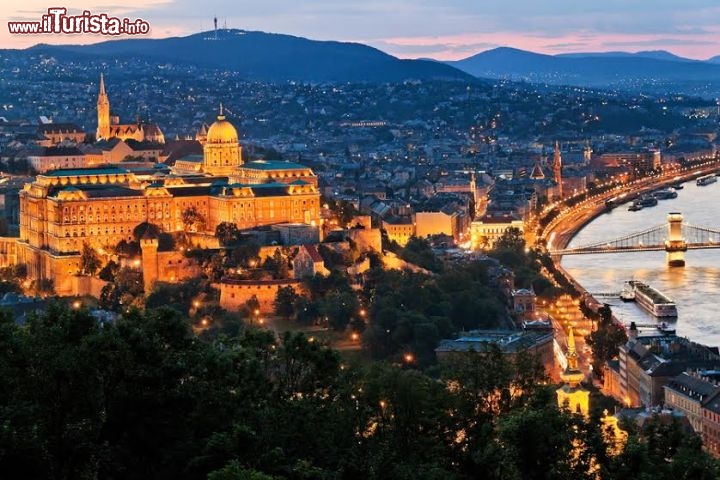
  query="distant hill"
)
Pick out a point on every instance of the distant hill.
point(268, 57)
point(617, 69)
point(656, 54)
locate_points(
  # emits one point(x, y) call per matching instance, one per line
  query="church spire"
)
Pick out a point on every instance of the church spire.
point(221, 116)
point(571, 351)
point(103, 112)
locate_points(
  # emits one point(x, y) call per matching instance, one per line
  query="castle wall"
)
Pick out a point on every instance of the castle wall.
point(235, 293)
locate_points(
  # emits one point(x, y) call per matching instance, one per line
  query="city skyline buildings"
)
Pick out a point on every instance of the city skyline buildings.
point(428, 28)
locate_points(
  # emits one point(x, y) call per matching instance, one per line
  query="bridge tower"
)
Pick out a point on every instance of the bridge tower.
point(675, 245)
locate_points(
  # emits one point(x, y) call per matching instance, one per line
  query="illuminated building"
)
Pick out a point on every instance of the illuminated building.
point(571, 393)
point(485, 231)
point(64, 209)
point(109, 126)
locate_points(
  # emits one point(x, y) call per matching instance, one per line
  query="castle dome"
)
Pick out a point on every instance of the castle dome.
point(222, 131)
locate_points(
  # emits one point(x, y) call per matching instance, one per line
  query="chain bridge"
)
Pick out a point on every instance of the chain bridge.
point(674, 237)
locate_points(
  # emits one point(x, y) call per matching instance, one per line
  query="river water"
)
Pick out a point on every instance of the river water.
point(695, 287)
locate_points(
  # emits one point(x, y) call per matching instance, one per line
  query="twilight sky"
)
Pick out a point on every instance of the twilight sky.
point(442, 29)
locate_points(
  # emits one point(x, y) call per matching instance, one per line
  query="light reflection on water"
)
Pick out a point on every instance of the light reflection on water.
point(695, 288)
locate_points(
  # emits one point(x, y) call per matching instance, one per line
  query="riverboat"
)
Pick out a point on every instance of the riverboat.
point(635, 206)
point(647, 201)
point(653, 300)
point(665, 194)
point(706, 180)
point(678, 186)
point(665, 329)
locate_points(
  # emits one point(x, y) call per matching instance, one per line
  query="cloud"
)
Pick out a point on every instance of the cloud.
point(659, 42)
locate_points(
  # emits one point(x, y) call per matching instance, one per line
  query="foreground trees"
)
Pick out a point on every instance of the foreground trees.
point(145, 398)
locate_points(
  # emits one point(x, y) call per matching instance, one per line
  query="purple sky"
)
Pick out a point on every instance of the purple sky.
point(443, 29)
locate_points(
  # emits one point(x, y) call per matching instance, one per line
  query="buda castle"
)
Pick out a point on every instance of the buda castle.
point(64, 209)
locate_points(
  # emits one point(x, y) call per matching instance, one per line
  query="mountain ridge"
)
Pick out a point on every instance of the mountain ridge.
point(268, 57)
point(604, 69)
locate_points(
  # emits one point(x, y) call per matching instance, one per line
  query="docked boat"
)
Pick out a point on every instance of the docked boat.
point(706, 180)
point(678, 186)
point(635, 206)
point(665, 194)
point(665, 329)
point(653, 300)
point(628, 293)
point(647, 201)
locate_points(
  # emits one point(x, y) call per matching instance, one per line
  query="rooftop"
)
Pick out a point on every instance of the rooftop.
point(273, 165)
point(74, 172)
point(509, 341)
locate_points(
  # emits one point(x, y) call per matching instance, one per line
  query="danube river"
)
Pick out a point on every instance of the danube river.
point(695, 287)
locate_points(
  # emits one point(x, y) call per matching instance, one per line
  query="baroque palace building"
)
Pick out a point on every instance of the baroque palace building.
point(64, 209)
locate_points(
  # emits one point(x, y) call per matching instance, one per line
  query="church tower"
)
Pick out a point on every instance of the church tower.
point(587, 153)
point(103, 113)
point(473, 187)
point(557, 170)
point(221, 150)
point(577, 398)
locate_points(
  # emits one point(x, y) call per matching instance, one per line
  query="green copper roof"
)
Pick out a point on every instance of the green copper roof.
point(273, 165)
point(73, 172)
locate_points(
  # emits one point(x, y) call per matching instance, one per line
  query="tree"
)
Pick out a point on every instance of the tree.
point(90, 260)
point(234, 471)
point(193, 220)
point(340, 308)
point(511, 239)
point(419, 252)
point(43, 287)
point(124, 292)
point(144, 229)
point(285, 302)
point(109, 271)
point(605, 340)
point(307, 311)
point(228, 234)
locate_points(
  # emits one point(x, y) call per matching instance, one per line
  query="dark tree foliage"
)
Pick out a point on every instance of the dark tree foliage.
point(605, 340)
point(285, 300)
point(124, 292)
point(143, 397)
point(90, 261)
point(228, 234)
point(413, 311)
point(419, 252)
point(343, 211)
point(182, 296)
point(109, 271)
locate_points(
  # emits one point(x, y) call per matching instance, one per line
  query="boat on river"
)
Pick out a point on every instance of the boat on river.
point(652, 300)
point(665, 194)
point(706, 180)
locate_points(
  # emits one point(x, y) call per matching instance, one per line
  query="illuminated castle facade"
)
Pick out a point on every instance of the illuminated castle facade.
point(64, 209)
